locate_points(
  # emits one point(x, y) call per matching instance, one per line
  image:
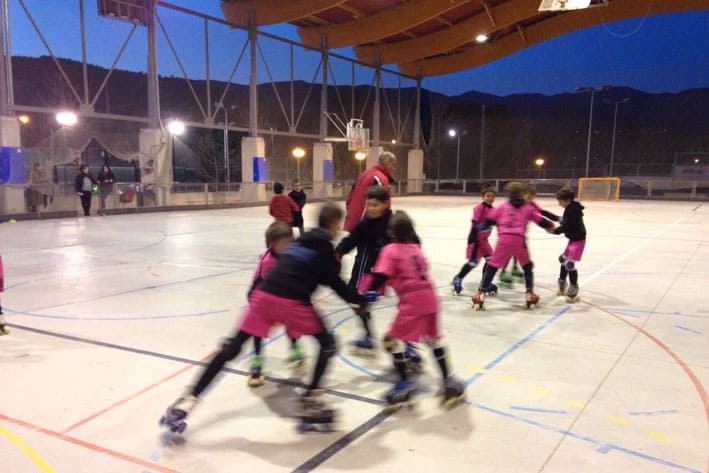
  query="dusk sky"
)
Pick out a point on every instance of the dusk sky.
point(659, 53)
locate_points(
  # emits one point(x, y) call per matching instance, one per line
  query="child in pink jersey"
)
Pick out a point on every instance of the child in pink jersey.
point(511, 219)
point(284, 297)
point(478, 245)
point(278, 235)
point(402, 265)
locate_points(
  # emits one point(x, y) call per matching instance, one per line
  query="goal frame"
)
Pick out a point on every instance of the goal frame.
point(585, 180)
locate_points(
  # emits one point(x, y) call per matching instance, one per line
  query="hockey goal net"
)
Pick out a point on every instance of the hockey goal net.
point(598, 188)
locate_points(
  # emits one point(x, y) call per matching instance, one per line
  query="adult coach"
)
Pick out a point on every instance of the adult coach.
point(381, 174)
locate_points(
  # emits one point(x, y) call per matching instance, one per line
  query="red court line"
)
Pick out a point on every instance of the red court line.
point(693, 377)
point(89, 446)
point(133, 396)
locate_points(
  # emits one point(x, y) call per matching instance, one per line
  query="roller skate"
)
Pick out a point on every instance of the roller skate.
point(457, 285)
point(314, 414)
point(517, 273)
point(562, 287)
point(364, 347)
point(401, 395)
point(572, 294)
point(174, 417)
point(255, 376)
point(531, 299)
point(414, 362)
point(4, 330)
point(506, 279)
point(491, 290)
point(453, 392)
point(478, 300)
point(296, 357)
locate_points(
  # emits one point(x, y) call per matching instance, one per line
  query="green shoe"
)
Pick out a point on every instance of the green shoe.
point(296, 354)
point(505, 277)
point(517, 273)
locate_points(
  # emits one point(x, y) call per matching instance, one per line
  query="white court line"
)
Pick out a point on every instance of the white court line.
point(633, 250)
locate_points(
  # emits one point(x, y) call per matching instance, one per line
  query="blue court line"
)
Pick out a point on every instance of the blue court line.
point(625, 310)
point(654, 413)
point(536, 409)
point(688, 329)
point(517, 345)
point(602, 446)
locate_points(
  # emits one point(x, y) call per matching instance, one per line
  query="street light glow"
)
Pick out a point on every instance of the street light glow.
point(481, 38)
point(298, 152)
point(452, 133)
point(360, 155)
point(24, 119)
point(176, 127)
point(66, 118)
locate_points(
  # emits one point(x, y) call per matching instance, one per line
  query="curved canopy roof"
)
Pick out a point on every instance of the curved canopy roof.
point(435, 37)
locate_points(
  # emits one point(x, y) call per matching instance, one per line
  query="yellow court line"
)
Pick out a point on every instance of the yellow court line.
point(43, 465)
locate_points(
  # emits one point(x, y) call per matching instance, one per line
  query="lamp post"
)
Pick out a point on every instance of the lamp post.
point(227, 177)
point(482, 142)
point(454, 134)
point(64, 119)
point(592, 91)
point(298, 154)
point(360, 156)
point(615, 121)
point(539, 162)
point(175, 128)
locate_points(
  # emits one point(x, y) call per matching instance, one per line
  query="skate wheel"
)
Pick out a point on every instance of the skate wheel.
point(363, 352)
point(452, 402)
point(255, 382)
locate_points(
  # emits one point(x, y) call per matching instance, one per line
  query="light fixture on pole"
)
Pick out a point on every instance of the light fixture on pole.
point(65, 120)
point(454, 134)
point(227, 177)
point(175, 128)
point(615, 121)
point(539, 162)
point(298, 154)
point(592, 91)
point(360, 156)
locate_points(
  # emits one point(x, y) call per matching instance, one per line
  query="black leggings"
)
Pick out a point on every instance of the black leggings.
point(232, 347)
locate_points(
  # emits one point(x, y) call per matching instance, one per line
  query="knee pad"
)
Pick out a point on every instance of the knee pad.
point(562, 259)
point(434, 343)
point(570, 265)
point(472, 263)
point(528, 267)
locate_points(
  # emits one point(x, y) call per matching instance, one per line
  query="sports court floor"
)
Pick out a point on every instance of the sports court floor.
point(112, 317)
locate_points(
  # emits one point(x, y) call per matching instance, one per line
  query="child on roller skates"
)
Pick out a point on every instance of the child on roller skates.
point(572, 226)
point(402, 265)
point(478, 246)
point(508, 277)
point(284, 298)
point(278, 235)
point(369, 236)
point(511, 219)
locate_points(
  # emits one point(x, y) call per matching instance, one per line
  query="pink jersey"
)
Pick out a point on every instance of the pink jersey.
point(512, 221)
point(265, 264)
point(406, 269)
point(480, 214)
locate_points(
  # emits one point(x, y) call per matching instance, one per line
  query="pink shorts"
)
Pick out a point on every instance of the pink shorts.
point(574, 250)
point(507, 248)
point(266, 310)
point(482, 249)
point(414, 328)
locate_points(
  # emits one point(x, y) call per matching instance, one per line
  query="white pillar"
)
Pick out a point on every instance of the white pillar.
point(156, 162)
point(251, 147)
point(414, 173)
point(322, 152)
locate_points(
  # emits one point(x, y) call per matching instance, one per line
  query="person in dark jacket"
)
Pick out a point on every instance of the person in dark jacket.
point(299, 197)
point(572, 226)
point(83, 185)
point(105, 188)
point(284, 297)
